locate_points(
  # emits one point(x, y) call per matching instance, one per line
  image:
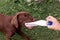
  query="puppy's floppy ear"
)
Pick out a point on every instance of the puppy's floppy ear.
point(14, 20)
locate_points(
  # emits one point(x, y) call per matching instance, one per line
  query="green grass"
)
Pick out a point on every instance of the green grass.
point(38, 11)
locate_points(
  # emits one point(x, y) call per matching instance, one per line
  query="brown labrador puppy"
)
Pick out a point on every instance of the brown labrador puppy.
point(9, 25)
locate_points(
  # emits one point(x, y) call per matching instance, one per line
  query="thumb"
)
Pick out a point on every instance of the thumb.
point(49, 21)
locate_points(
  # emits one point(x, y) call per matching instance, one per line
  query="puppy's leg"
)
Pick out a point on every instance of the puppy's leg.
point(8, 35)
point(7, 38)
point(23, 35)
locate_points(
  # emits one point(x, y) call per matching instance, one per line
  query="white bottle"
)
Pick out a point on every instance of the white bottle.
point(36, 23)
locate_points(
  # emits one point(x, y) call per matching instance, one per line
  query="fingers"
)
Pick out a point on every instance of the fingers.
point(50, 18)
point(53, 20)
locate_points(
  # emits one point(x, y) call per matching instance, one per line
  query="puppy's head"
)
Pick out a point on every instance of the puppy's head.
point(21, 18)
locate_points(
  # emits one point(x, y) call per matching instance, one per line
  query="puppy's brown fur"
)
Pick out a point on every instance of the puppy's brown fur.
point(9, 25)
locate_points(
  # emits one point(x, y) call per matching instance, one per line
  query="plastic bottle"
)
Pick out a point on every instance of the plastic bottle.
point(39, 23)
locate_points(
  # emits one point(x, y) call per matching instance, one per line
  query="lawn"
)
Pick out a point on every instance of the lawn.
point(38, 11)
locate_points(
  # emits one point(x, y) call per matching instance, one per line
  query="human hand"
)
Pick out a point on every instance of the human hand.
point(55, 24)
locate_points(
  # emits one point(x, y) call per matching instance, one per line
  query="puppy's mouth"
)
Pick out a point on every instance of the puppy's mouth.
point(28, 26)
